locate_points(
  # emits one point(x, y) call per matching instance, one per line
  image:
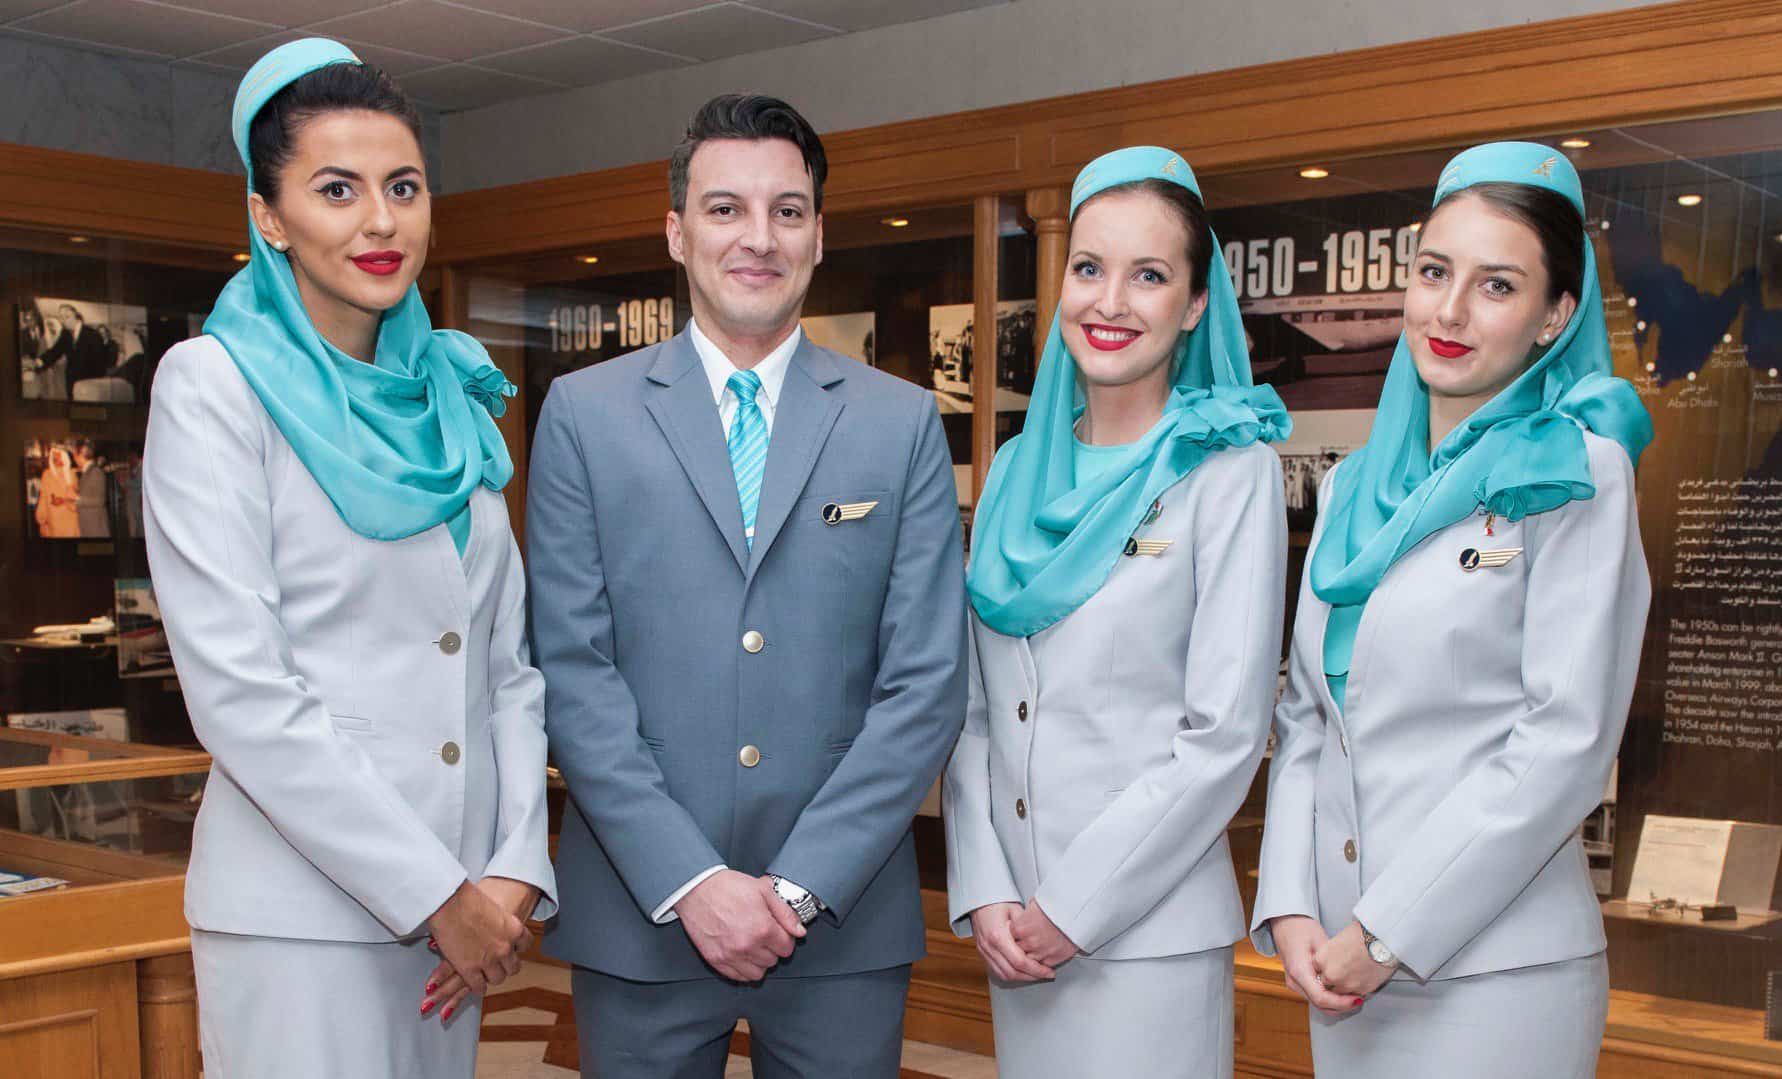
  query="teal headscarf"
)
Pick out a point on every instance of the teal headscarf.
point(399, 444)
point(1521, 453)
point(1041, 544)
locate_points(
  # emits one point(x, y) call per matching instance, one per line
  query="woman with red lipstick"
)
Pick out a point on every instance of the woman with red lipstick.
point(1126, 588)
point(1463, 659)
point(346, 609)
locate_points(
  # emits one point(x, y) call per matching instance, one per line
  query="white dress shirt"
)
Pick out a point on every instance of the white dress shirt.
point(718, 369)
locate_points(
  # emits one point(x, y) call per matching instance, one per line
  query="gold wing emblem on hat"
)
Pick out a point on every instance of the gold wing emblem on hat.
point(1169, 167)
point(1545, 168)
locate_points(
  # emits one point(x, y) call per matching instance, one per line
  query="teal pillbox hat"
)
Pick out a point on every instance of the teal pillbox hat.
point(272, 73)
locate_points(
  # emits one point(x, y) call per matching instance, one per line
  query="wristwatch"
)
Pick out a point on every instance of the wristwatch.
point(1376, 949)
point(803, 903)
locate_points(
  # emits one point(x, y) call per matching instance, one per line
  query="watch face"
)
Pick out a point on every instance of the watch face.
point(1379, 953)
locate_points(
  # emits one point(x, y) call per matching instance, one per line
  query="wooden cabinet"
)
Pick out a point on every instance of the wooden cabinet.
point(96, 976)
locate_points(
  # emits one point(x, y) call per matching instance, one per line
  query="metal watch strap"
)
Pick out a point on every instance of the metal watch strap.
point(1376, 948)
point(802, 902)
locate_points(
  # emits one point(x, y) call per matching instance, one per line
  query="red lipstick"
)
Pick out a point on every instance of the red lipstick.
point(381, 263)
point(1448, 350)
point(1109, 338)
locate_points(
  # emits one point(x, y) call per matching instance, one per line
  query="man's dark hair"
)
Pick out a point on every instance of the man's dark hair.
point(747, 116)
point(272, 137)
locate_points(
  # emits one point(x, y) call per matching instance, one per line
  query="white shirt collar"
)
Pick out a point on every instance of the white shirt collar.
point(718, 367)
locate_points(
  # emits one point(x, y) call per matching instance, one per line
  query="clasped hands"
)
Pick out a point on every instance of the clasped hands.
point(1333, 974)
point(479, 933)
point(740, 926)
point(1020, 943)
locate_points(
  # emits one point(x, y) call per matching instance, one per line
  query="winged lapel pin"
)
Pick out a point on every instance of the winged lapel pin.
point(835, 513)
point(1474, 559)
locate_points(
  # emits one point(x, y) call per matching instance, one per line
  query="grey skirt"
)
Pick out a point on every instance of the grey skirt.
point(1545, 1020)
point(272, 1008)
point(1168, 1018)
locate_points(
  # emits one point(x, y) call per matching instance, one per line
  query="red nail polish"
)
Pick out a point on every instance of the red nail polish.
point(1357, 1002)
point(431, 986)
point(426, 1006)
point(447, 1014)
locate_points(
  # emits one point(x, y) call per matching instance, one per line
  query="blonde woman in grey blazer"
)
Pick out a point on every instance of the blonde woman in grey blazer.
point(1126, 587)
point(1463, 658)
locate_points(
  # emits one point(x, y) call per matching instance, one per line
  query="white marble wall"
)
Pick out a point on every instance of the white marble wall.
point(1021, 51)
point(128, 107)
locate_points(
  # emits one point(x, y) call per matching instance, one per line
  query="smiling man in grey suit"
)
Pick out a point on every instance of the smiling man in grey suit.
point(748, 605)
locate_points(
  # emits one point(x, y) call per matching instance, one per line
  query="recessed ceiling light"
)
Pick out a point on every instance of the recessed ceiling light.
point(241, 256)
point(78, 240)
point(589, 260)
point(1575, 143)
point(1313, 173)
point(1689, 200)
point(896, 222)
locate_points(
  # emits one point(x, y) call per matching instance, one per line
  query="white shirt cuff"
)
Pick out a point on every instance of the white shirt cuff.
point(665, 913)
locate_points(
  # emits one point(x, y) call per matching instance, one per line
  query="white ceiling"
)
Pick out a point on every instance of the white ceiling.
point(462, 54)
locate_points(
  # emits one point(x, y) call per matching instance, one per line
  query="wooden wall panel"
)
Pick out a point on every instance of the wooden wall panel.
point(1693, 58)
point(78, 1024)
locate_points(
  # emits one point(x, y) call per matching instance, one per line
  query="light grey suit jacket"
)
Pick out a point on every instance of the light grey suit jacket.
point(1104, 756)
point(643, 591)
point(1440, 808)
point(312, 663)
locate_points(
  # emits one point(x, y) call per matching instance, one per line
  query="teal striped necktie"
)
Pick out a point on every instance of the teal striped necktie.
point(748, 447)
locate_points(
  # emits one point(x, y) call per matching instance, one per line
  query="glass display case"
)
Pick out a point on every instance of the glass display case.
point(78, 811)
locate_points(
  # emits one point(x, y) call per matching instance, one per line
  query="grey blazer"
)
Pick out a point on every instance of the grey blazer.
point(376, 729)
point(1103, 757)
point(673, 654)
point(1441, 807)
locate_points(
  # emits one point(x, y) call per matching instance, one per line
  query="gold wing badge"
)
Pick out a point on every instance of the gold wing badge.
point(1153, 548)
point(835, 513)
point(1473, 559)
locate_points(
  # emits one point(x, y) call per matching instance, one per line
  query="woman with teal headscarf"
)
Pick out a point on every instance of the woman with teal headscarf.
point(346, 609)
point(1463, 659)
point(1126, 585)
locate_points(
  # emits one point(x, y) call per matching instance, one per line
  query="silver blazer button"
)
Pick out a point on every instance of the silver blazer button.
point(450, 753)
point(450, 643)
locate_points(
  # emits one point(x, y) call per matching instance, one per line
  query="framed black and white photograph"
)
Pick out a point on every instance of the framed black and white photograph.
point(1319, 441)
point(850, 334)
point(950, 347)
point(83, 350)
point(80, 489)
